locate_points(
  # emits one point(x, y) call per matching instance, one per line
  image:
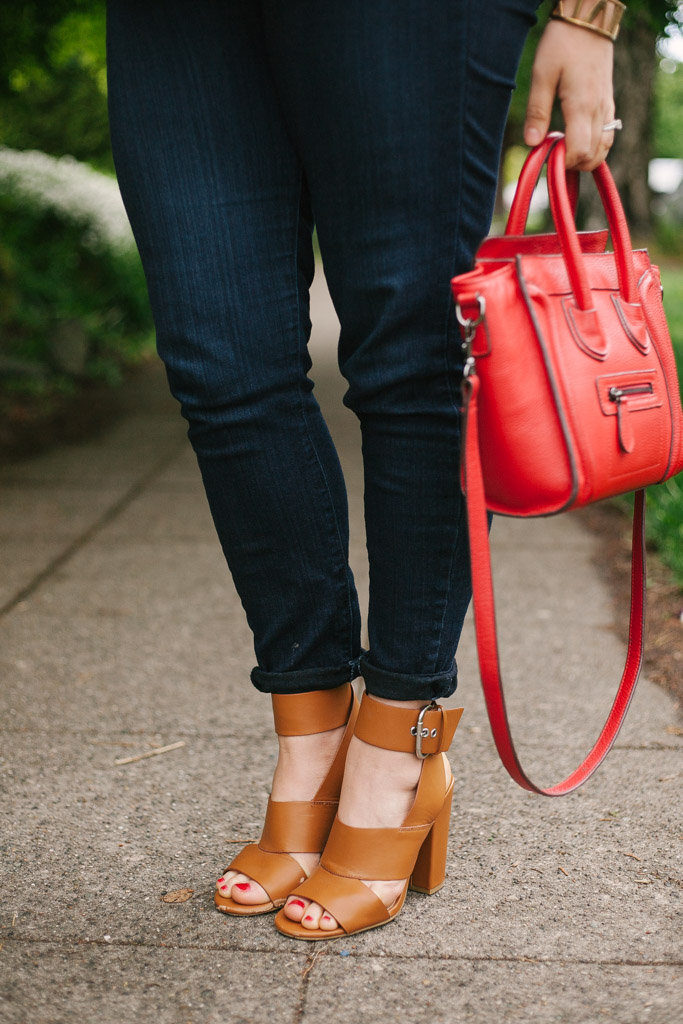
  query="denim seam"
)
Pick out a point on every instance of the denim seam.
point(449, 311)
point(456, 542)
point(464, 92)
point(349, 613)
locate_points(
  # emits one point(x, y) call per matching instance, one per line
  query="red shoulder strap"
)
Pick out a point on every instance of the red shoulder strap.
point(485, 619)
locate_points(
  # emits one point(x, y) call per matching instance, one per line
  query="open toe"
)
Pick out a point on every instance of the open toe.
point(295, 908)
point(327, 922)
point(244, 890)
point(263, 874)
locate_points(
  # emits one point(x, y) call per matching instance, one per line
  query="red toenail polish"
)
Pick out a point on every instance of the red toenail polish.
point(296, 903)
point(221, 879)
point(308, 917)
point(242, 885)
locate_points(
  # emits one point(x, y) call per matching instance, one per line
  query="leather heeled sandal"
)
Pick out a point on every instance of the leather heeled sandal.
point(416, 850)
point(301, 826)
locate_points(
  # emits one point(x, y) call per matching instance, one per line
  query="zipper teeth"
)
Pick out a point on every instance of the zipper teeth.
point(616, 394)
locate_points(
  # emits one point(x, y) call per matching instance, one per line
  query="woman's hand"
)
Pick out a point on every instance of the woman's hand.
point(577, 65)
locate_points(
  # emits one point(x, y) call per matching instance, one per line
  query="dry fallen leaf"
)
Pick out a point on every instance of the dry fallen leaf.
point(178, 896)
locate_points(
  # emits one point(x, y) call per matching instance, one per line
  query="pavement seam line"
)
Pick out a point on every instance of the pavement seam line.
point(80, 542)
point(446, 957)
point(654, 748)
point(300, 1007)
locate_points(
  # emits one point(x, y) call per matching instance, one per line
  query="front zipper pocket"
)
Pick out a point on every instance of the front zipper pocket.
point(621, 394)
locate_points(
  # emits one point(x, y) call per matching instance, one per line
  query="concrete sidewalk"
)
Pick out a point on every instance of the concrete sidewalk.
point(121, 630)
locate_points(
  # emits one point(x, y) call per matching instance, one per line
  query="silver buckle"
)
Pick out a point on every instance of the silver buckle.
point(465, 321)
point(469, 330)
point(420, 731)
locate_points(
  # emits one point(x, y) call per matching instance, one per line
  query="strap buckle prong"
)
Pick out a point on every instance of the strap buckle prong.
point(420, 730)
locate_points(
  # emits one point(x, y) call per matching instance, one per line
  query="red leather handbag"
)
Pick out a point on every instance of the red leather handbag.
point(570, 395)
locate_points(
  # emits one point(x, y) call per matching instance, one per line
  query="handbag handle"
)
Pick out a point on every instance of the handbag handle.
point(560, 207)
point(528, 179)
point(485, 618)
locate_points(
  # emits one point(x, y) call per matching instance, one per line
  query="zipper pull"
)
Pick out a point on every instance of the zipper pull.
point(625, 433)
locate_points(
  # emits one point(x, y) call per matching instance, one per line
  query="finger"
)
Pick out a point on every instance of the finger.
point(601, 141)
point(539, 108)
point(578, 135)
point(606, 138)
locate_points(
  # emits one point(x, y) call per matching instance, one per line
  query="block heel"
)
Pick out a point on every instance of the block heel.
point(429, 873)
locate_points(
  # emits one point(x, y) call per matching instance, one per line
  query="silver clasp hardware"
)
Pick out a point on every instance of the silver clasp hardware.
point(420, 730)
point(469, 327)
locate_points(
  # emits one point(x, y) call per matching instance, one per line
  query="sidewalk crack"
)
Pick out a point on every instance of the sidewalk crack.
point(80, 542)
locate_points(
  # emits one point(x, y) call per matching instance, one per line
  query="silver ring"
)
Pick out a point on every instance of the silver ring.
point(612, 126)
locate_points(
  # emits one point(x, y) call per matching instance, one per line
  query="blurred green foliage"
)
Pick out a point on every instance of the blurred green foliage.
point(53, 79)
point(668, 135)
point(71, 310)
point(664, 519)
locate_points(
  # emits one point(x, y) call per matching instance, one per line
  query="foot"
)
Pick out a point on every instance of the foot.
point(385, 804)
point(303, 763)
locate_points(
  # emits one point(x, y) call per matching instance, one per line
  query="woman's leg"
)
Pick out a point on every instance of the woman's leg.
point(397, 108)
point(219, 205)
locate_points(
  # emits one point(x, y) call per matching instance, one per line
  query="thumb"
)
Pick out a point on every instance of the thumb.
point(538, 110)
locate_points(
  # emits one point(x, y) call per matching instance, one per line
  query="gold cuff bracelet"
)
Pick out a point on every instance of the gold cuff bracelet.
point(604, 16)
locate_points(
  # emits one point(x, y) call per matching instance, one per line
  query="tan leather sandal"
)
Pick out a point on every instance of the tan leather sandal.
point(416, 850)
point(301, 826)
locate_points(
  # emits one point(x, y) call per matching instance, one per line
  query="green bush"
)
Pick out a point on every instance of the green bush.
point(664, 519)
point(73, 300)
point(664, 523)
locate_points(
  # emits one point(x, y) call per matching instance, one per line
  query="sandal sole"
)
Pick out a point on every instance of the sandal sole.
point(298, 931)
point(228, 906)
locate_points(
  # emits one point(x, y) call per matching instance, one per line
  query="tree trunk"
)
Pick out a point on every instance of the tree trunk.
point(635, 65)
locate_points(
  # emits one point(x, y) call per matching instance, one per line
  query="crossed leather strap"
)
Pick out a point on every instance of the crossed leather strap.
point(353, 854)
point(296, 825)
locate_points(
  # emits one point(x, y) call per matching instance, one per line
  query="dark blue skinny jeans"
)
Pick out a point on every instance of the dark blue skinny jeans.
point(236, 126)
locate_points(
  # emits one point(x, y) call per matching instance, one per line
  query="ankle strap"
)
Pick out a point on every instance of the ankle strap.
point(395, 728)
point(302, 714)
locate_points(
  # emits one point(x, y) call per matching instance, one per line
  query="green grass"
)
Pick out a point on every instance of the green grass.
point(664, 519)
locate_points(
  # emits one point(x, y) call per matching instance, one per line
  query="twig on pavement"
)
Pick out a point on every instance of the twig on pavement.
point(318, 953)
point(149, 753)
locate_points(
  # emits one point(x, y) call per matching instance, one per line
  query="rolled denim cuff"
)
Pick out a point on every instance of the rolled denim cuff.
point(405, 685)
point(305, 680)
